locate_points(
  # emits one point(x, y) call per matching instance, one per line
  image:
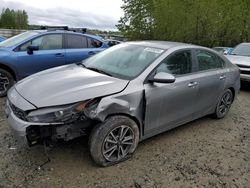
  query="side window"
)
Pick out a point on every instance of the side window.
point(24, 46)
point(207, 60)
point(76, 41)
point(46, 42)
point(177, 64)
point(92, 43)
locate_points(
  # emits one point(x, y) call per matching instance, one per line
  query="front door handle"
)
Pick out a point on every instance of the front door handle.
point(222, 77)
point(192, 84)
point(59, 55)
point(91, 53)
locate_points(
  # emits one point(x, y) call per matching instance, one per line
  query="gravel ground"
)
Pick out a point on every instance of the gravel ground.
point(204, 153)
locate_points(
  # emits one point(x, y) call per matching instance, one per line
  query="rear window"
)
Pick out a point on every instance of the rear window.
point(93, 43)
point(208, 60)
point(76, 41)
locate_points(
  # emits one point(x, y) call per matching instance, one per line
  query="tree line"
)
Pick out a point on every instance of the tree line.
point(203, 22)
point(13, 19)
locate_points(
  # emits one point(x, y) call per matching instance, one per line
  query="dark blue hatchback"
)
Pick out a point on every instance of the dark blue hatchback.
point(34, 51)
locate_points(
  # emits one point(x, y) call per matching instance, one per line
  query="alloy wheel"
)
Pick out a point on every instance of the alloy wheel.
point(117, 143)
point(225, 103)
point(4, 83)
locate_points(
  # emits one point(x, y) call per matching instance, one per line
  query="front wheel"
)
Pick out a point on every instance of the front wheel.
point(114, 140)
point(6, 81)
point(224, 104)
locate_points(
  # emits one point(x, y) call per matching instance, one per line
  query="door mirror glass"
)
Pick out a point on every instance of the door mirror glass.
point(163, 77)
point(31, 49)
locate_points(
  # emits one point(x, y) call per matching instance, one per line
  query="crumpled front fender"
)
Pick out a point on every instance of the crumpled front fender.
point(129, 104)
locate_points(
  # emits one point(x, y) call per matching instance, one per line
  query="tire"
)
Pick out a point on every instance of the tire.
point(224, 104)
point(6, 82)
point(108, 146)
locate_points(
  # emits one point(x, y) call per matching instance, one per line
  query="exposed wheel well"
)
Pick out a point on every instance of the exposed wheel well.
point(9, 70)
point(233, 91)
point(131, 117)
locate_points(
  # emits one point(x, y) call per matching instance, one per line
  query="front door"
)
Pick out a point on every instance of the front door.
point(50, 54)
point(168, 105)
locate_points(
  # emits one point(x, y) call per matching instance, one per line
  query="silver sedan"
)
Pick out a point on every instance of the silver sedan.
point(123, 95)
point(240, 56)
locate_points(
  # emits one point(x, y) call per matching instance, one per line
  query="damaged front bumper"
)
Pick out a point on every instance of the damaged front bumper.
point(18, 126)
point(37, 133)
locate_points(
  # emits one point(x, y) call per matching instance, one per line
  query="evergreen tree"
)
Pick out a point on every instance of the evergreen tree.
point(11, 19)
point(204, 22)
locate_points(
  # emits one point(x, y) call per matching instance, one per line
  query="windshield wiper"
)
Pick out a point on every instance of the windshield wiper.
point(81, 64)
point(98, 70)
point(241, 55)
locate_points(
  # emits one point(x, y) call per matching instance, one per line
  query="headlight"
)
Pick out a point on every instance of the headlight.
point(56, 114)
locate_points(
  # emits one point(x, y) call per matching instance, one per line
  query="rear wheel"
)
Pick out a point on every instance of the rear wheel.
point(114, 140)
point(6, 81)
point(224, 104)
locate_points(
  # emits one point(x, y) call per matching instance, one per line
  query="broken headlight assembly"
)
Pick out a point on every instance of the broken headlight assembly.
point(58, 114)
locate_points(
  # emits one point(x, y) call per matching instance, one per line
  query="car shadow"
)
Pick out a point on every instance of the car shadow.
point(245, 86)
point(78, 149)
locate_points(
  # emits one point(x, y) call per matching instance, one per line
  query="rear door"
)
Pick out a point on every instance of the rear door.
point(168, 105)
point(211, 75)
point(51, 53)
point(80, 47)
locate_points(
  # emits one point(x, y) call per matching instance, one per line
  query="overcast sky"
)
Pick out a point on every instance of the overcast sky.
point(98, 14)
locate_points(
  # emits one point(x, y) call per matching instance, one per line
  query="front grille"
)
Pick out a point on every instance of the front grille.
point(245, 72)
point(244, 66)
point(18, 112)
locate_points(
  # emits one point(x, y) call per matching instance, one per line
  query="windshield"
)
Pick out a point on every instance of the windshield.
point(125, 61)
point(17, 39)
point(242, 50)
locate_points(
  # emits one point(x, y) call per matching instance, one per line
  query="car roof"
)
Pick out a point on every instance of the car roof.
point(221, 47)
point(244, 43)
point(162, 44)
point(70, 32)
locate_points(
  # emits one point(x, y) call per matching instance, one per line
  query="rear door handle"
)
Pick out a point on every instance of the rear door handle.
point(59, 55)
point(192, 84)
point(222, 77)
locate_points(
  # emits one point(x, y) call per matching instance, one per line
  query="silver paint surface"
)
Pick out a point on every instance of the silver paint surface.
point(155, 107)
point(241, 61)
point(66, 85)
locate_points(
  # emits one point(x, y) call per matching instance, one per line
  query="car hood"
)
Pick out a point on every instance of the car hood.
point(239, 60)
point(67, 85)
point(4, 52)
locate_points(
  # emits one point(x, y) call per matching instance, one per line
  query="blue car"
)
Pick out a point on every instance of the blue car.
point(2, 38)
point(37, 50)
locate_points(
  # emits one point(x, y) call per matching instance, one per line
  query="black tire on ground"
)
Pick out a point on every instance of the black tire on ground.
point(6, 82)
point(224, 104)
point(114, 140)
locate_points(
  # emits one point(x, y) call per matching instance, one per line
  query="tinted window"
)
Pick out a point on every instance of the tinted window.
point(76, 41)
point(177, 64)
point(92, 43)
point(46, 42)
point(207, 60)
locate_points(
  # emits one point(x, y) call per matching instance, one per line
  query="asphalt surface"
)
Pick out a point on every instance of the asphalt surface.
point(203, 153)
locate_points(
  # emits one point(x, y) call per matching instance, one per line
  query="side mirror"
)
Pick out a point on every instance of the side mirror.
point(225, 52)
point(31, 49)
point(163, 77)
